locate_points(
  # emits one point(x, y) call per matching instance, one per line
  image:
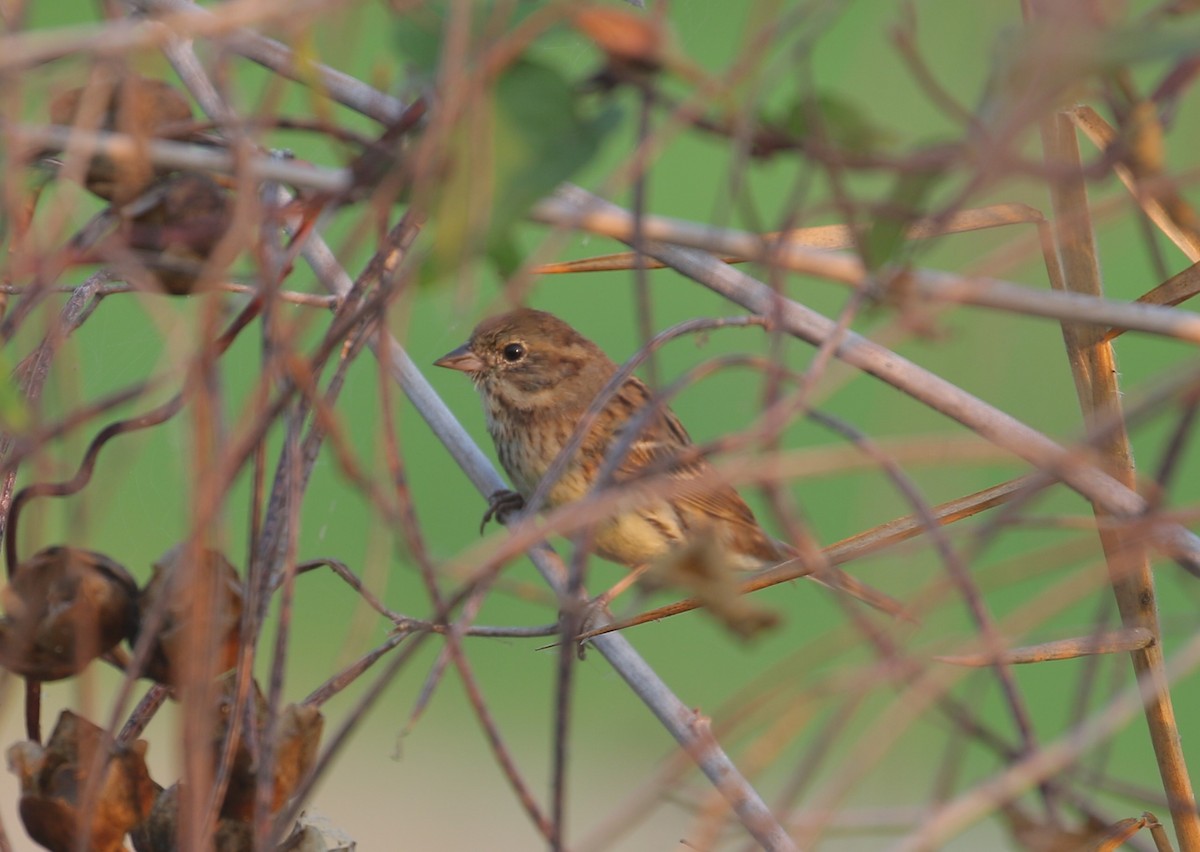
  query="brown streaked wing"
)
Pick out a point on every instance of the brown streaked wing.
point(658, 447)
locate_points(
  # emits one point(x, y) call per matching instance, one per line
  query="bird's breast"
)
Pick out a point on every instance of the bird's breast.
point(527, 443)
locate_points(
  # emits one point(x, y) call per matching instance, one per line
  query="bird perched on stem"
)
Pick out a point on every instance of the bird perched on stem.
point(537, 377)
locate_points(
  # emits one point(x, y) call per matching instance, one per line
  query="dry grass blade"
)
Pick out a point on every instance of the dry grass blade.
point(1176, 289)
point(1112, 642)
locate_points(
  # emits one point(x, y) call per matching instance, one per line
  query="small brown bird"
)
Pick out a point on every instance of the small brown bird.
point(538, 376)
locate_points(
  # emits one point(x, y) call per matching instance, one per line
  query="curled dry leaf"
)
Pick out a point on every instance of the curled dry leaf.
point(139, 106)
point(53, 778)
point(212, 586)
point(63, 608)
point(698, 568)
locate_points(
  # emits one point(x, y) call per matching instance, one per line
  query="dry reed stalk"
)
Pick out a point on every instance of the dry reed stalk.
point(1093, 365)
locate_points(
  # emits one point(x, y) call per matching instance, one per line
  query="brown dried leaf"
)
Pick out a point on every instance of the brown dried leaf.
point(297, 740)
point(1118, 833)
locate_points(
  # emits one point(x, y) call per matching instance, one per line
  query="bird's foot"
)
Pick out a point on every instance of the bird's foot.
point(595, 611)
point(618, 588)
point(501, 504)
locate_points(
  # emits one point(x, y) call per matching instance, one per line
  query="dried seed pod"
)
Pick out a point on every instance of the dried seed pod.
point(213, 588)
point(239, 794)
point(53, 779)
point(160, 830)
point(296, 740)
point(63, 608)
point(174, 227)
point(139, 106)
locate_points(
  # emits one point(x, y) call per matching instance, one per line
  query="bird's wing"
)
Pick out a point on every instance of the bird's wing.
point(658, 448)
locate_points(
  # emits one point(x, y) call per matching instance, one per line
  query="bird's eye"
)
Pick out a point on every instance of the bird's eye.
point(514, 352)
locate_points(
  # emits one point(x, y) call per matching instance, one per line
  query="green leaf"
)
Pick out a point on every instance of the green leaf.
point(842, 123)
point(504, 254)
point(539, 138)
point(420, 31)
point(905, 204)
point(419, 36)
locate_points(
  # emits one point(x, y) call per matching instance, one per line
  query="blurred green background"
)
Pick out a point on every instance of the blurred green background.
point(437, 786)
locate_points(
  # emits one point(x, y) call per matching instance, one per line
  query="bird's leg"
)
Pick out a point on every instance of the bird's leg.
point(604, 599)
point(597, 605)
point(501, 504)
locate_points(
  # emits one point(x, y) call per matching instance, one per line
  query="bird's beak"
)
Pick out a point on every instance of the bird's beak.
point(461, 359)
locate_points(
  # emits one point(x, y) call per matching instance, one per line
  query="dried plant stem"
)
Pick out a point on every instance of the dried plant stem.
point(279, 58)
point(573, 207)
point(1108, 642)
point(182, 155)
point(1050, 760)
point(1093, 366)
point(35, 368)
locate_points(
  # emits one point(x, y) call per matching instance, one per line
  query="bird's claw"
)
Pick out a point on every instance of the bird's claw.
point(501, 504)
